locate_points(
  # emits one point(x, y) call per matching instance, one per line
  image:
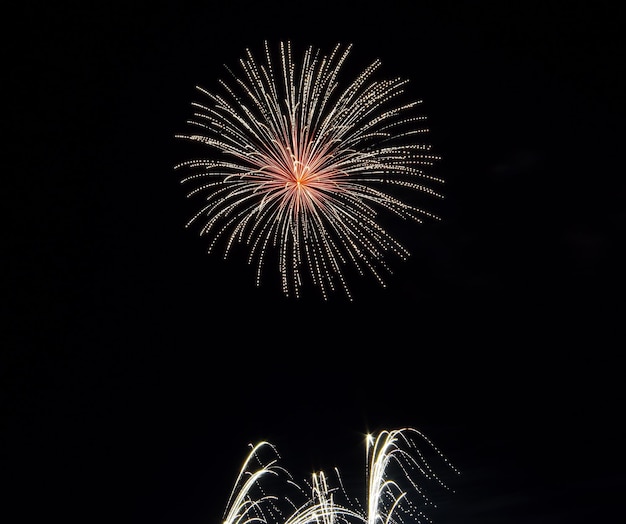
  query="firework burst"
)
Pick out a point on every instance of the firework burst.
point(302, 167)
point(395, 466)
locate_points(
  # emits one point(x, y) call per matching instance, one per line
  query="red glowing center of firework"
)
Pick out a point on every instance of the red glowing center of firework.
point(303, 186)
point(301, 177)
point(301, 182)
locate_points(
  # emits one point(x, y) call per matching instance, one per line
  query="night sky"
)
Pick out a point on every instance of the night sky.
point(137, 368)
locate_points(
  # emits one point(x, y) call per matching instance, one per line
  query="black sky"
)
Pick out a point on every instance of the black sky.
point(137, 368)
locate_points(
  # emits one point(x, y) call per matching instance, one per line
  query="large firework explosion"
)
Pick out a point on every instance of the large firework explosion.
point(394, 493)
point(302, 167)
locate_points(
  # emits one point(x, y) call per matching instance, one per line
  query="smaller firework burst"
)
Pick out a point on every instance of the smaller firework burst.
point(397, 471)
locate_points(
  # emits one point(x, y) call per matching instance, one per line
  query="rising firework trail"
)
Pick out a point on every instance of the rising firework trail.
point(396, 475)
point(302, 166)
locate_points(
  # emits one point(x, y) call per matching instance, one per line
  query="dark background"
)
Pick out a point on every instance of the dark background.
point(137, 368)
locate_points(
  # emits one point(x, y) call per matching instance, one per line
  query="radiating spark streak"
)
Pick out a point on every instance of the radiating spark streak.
point(321, 508)
point(302, 167)
point(397, 449)
point(242, 506)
